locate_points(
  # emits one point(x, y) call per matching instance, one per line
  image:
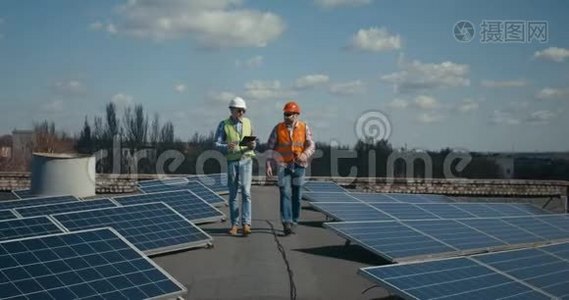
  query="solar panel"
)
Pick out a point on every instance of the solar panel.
point(184, 202)
point(216, 182)
point(36, 201)
point(350, 211)
point(153, 227)
point(24, 194)
point(458, 278)
point(163, 181)
point(323, 186)
point(7, 214)
point(329, 197)
point(461, 236)
point(419, 198)
point(91, 264)
point(404, 211)
point(20, 228)
point(193, 185)
point(48, 209)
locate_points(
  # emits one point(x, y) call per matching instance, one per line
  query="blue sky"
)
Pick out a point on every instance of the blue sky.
point(393, 65)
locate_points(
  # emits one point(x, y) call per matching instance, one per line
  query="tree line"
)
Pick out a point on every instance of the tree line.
point(135, 132)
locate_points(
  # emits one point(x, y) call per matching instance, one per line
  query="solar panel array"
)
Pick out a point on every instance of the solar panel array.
point(216, 182)
point(185, 202)
point(36, 201)
point(94, 264)
point(537, 273)
point(20, 228)
point(407, 240)
point(375, 197)
point(153, 227)
point(323, 186)
point(48, 209)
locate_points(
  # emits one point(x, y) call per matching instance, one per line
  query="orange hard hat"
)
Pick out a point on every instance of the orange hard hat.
point(291, 107)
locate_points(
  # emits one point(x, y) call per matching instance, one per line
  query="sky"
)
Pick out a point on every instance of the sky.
point(406, 71)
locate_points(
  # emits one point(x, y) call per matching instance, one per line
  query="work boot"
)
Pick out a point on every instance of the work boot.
point(233, 230)
point(287, 229)
point(246, 229)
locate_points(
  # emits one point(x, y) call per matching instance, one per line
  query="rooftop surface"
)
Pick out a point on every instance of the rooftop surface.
point(322, 267)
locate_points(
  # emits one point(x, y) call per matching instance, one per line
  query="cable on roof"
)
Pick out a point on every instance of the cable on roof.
point(287, 263)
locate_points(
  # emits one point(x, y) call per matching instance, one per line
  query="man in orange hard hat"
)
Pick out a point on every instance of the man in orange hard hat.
point(292, 145)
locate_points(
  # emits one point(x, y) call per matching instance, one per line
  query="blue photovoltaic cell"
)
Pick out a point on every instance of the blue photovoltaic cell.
point(404, 211)
point(458, 278)
point(391, 240)
point(20, 228)
point(503, 231)
point(445, 211)
point(544, 226)
point(164, 187)
point(323, 186)
point(94, 264)
point(49, 209)
point(152, 228)
point(36, 201)
point(455, 234)
point(350, 211)
point(329, 197)
point(7, 214)
point(216, 182)
point(419, 198)
point(184, 202)
point(373, 197)
point(164, 181)
point(24, 194)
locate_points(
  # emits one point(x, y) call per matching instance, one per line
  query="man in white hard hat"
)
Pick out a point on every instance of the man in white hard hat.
point(228, 136)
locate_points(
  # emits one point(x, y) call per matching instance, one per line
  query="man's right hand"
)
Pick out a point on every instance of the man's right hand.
point(231, 146)
point(269, 171)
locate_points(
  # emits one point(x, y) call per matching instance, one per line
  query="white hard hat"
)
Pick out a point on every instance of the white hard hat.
point(237, 102)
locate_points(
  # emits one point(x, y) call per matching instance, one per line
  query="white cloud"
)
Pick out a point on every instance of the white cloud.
point(266, 90)
point(180, 88)
point(338, 3)
point(552, 93)
point(503, 84)
point(54, 106)
point(214, 23)
point(107, 27)
point(426, 102)
point(122, 99)
point(310, 81)
point(69, 88)
point(253, 62)
point(348, 88)
point(541, 117)
point(430, 118)
point(398, 103)
point(468, 105)
point(416, 76)
point(375, 39)
point(222, 97)
point(504, 117)
point(553, 53)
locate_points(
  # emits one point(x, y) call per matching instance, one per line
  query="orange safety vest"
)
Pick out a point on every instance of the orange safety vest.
point(290, 149)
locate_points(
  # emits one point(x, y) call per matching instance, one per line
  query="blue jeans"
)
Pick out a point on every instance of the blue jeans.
point(239, 175)
point(290, 186)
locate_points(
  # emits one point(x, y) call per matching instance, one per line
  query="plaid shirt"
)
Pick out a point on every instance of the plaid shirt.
point(221, 137)
point(309, 146)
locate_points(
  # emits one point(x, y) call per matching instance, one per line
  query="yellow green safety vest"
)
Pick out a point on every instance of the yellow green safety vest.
point(232, 135)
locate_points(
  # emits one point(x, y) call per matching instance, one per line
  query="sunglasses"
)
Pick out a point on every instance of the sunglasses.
point(239, 110)
point(289, 114)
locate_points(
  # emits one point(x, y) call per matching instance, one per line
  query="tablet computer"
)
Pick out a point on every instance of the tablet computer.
point(247, 139)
